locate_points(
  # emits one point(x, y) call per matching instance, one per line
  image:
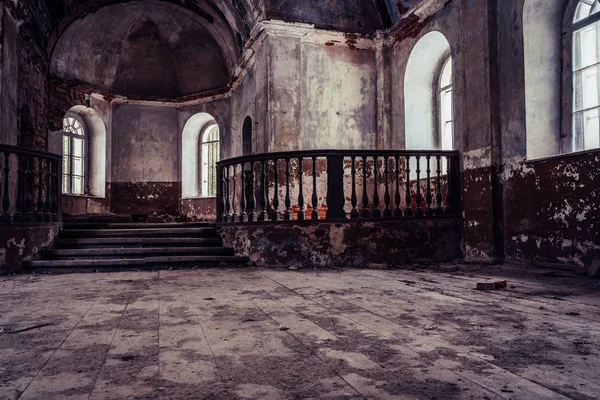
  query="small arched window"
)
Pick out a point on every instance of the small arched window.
point(586, 75)
point(445, 106)
point(74, 156)
point(210, 156)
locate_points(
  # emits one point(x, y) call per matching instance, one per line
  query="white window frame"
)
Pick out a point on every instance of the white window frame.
point(210, 148)
point(582, 117)
point(74, 129)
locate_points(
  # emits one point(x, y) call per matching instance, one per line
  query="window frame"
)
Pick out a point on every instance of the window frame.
point(567, 145)
point(85, 156)
point(437, 99)
point(206, 170)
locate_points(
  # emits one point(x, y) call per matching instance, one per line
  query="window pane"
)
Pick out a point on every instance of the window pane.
point(577, 131)
point(66, 145)
point(65, 184)
point(588, 42)
point(591, 136)
point(589, 86)
point(66, 165)
point(446, 79)
point(77, 185)
point(77, 166)
point(78, 147)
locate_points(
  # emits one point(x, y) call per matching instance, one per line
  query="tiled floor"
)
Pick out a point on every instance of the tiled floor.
point(280, 334)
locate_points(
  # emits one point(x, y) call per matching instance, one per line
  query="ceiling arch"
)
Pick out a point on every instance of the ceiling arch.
point(147, 48)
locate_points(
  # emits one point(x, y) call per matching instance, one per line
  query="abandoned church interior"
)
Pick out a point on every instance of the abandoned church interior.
point(314, 135)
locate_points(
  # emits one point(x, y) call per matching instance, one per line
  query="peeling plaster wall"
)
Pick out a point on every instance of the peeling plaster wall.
point(344, 244)
point(145, 155)
point(553, 209)
point(322, 89)
point(20, 243)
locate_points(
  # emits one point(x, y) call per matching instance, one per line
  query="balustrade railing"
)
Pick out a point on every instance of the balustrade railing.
point(29, 188)
point(390, 184)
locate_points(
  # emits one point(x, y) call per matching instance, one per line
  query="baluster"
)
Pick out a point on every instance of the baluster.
point(55, 189)
point(438, 196)
point(48, 206)
point(40, 202)
point(6, 195)
point(234, 216)
point(301, 190)
point(398, 199)
point(229, 217)
point(376, 211)
point(354, 213)
point(408, 198)
point(264, 216)
point(29, 184)
point(275, 216)
point(449, 187)
point(428, 196)
point(20, 199)
point(253, 215)
point(224, 193)
point(366, 213)
point(315, 198)
point(243, 204)
point(419, 210)
point(387, 212)
point(288, 202)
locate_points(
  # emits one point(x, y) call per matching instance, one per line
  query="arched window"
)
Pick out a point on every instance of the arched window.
point(586, 75)
point(74, 141)
point(446, 124)
point(428, 95)
point(209, 158)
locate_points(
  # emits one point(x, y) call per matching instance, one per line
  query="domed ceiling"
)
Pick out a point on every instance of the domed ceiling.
point(175, 48)
point(148, 49)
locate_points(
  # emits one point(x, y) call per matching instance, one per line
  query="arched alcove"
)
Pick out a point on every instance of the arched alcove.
point(190, 145)
point(542, 40)
point(97, 148)
point(420, 83)
point(247, 137)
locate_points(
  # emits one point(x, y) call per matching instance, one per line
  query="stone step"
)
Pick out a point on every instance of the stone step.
point(137, 242)
point(133, 252)
point(139, 225)
point(162, 261)
point(90, 233)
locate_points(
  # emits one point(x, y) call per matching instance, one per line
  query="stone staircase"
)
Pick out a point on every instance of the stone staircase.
point(116, 246)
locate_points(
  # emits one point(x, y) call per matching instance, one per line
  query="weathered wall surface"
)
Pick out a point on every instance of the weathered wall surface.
point(145, 155)
point(9, 74)
point(19, 243)
point(553, 209)
point(550, 205)
point(200, 209)
point(344, 244)
point(322, 90)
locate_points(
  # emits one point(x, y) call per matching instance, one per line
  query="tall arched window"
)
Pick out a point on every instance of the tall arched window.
point(428, 94)
point(586, 75)
point(445, 106)
point(74, 156)
point(210, 156)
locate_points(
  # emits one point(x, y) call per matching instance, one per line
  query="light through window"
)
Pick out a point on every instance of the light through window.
point(445, 106)
point(209, 158)
point(586, 82)
point(74, 143)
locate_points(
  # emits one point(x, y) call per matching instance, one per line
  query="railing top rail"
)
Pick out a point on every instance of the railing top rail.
point(5, 148)
point(343, 153)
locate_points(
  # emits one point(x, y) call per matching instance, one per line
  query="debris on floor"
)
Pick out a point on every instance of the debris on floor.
point(492, 285)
